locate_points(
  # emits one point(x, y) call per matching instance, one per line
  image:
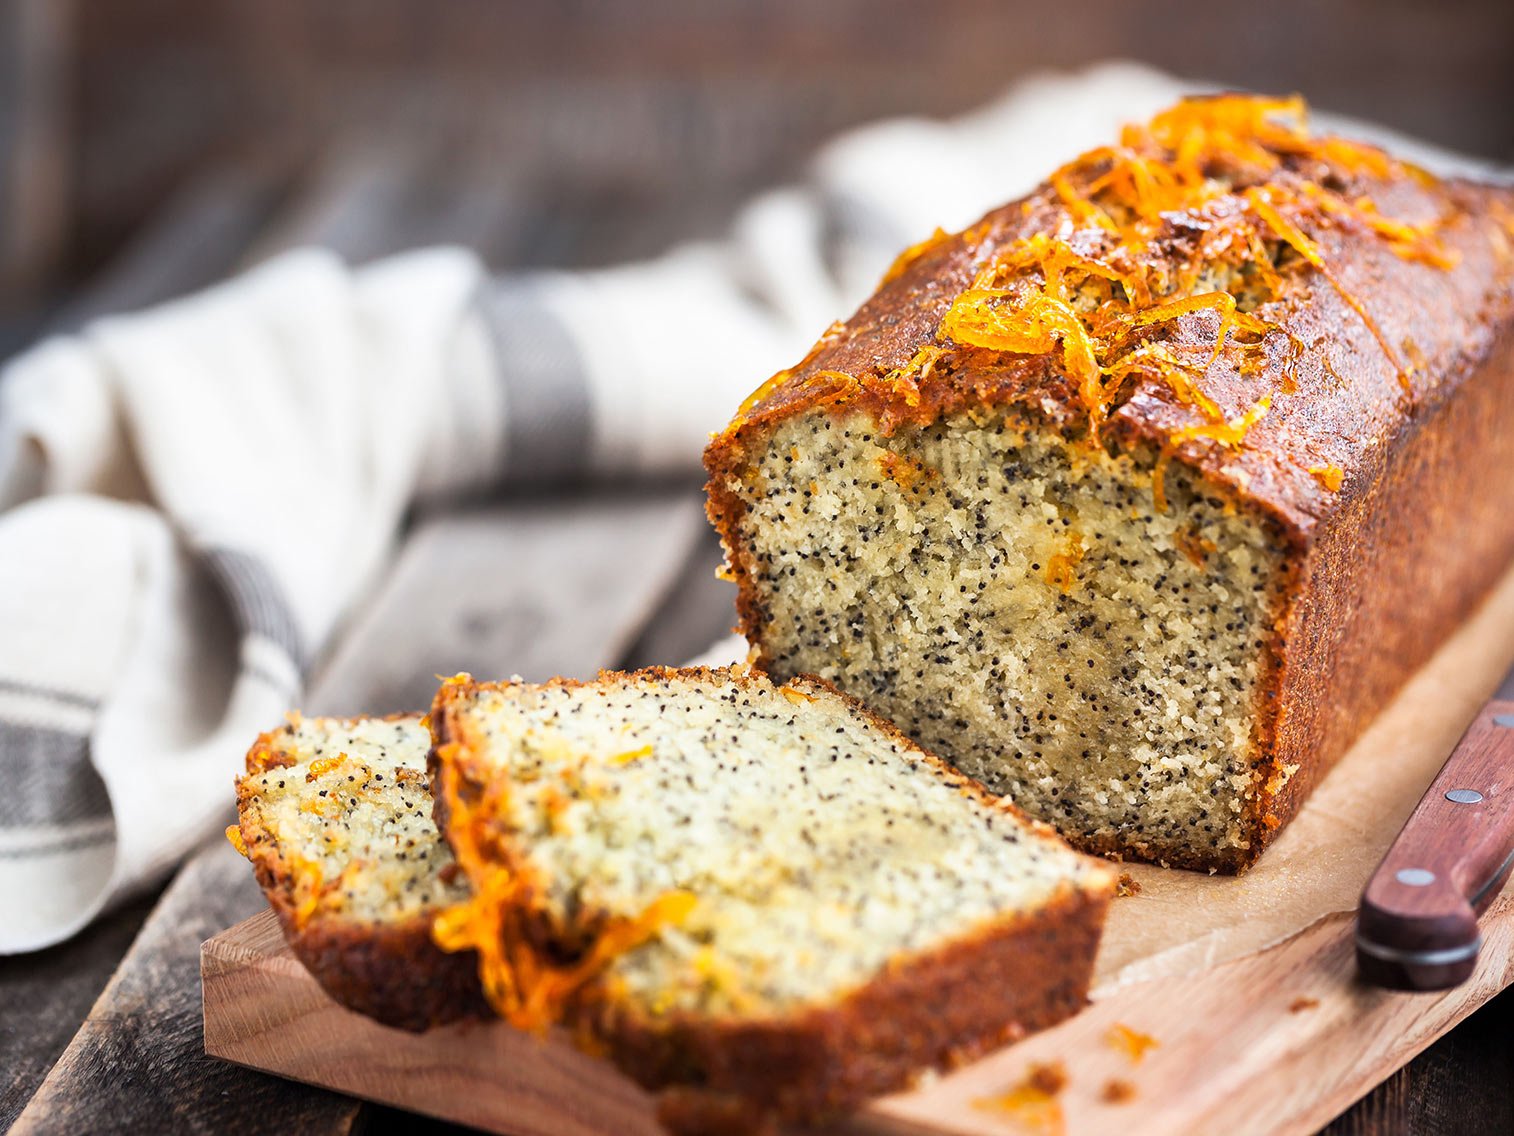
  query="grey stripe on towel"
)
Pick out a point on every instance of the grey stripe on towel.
point(61, 841)
point(48, 694)
point(46, 777)
point(257, 600)
point(547, 406)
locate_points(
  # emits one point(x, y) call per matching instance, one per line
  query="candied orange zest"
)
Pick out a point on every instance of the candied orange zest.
point(1330, 476)
point(308, 886)
point(527, 983)
point(1033, 1103)
point(992, 319)
point(1227, 433)
point(234, 837)
point(1262, 201)
point(1181, 161)
point(1133, 1043)
point(1061, 567)
point(323, 765)
point(1195, 210)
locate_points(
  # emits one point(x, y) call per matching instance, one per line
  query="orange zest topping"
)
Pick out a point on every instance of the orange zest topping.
point(308, 881)
point(903, 471)
point(1230, 434)
point(1094, 288)
point(767, 388)
point(1061, 567)
point(234, 837)
point(1330, 476)
point(1033, 1103)
point(1216, 210)
point(1133, 1043)
point(323, 765)
point(530, 984)
point(1195, 548)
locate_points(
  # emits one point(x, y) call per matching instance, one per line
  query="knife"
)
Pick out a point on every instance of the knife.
point(1416, 928)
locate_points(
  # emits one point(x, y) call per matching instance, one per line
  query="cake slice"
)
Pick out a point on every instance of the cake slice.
point(758, 899)
point(335, 815)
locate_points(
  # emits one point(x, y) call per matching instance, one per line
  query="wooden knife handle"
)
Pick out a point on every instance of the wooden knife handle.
point(1417, 926)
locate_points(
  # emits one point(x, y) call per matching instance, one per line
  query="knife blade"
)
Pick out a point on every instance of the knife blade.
point(1417, 924)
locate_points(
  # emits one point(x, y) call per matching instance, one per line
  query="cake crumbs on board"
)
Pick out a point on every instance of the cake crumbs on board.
point(1033, 1102)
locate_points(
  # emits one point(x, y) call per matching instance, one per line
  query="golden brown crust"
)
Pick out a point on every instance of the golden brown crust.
point(930, 1010)
point(936, 1010)
point(1381, 570)
point(391, 972)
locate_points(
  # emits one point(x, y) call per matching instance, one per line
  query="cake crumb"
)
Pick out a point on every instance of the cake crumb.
point(1132, 1043)
point(1117, 1091)
point(1299, 1005)
point(1049, 1078)
point(1033, 1102)
point(1127, 885)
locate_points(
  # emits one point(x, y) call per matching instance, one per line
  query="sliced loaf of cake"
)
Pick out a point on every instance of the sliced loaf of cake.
point(760, 900)
point(335, 815)
point(1137, 499)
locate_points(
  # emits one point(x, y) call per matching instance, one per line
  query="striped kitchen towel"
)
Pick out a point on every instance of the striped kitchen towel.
point(192, 498)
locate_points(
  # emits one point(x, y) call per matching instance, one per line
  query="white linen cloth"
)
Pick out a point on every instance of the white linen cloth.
point(192, 497)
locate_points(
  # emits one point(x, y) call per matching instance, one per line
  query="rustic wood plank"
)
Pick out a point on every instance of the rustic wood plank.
point(197, 240)
point(540, 587)
point(47, 994)
point(264, 1010)
point(1455, 1085)
point(1462, 1083)
point(138, 1065)
point(368, 198)
point(699, 610)
point(690, 105)
point(36, 60)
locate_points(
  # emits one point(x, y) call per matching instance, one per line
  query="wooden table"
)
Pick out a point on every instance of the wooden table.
point(103, 1033)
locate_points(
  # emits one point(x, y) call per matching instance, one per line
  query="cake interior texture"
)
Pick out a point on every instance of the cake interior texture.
point(799, 846)
point(1012, 600)
point(346, 808)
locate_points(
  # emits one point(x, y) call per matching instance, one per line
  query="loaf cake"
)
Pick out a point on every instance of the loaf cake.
point(758, 900)
point(1137, 499)
point(335, 815)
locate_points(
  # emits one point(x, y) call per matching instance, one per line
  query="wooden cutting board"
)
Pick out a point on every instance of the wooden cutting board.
point(1278, 1041)
point(1221, 1004)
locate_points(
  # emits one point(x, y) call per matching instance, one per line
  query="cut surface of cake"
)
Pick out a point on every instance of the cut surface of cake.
point(757, 898)
point(335, 816)
point(1139, 498)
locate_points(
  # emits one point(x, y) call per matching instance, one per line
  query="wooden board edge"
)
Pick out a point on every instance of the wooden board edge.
point(1276, 1042)
point(264, 1011)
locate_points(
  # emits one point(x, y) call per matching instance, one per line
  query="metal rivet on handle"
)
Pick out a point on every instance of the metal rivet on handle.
point(1415, 877)
point(1464, 796)
point(1506, 720)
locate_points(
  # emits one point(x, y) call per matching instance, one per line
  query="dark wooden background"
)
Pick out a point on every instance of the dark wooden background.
point(150, 147)
point(672, 109)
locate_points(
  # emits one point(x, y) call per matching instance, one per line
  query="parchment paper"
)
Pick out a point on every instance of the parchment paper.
point(1186, 921)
